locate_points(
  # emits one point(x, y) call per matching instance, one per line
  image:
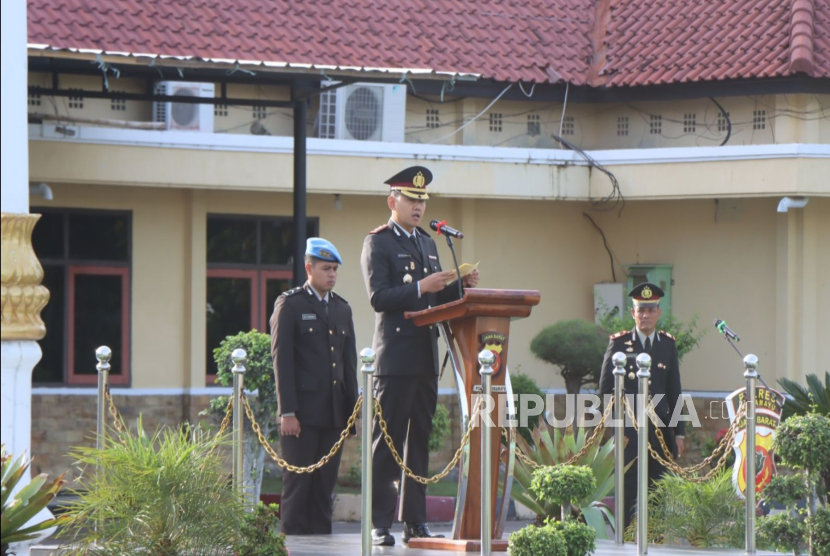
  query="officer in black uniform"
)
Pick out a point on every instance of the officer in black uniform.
point(665, 379)
point(315, 366)
point(403, 273)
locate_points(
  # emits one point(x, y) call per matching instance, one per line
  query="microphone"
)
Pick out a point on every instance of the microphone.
point(725, 330)
point(442, 228)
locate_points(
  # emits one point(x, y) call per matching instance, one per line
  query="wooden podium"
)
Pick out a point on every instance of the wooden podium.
point(478, 321)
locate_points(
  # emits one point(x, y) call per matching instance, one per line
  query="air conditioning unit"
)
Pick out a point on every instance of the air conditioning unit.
point(363, 112)
point(609, 299)
point(180, 115)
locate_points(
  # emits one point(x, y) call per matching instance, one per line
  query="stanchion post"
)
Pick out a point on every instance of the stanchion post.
point(619, 360)
point(239, 358)
point(750, 374)
point(486, 359)
point(643, 374)
point(367, 371)
point(103, 354)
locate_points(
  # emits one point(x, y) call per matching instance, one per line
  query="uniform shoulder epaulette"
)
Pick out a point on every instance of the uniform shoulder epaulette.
point(338, 296)
point(292, 291)
point(379, 228)
point(619, 334)
point(667, 335)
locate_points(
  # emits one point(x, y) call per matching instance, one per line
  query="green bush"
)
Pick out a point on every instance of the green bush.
point(553, 446)
point(576, 347)
point(784, 532)
point(523, 385)
point(440, 428)
point(706, 515)
point(259, 377)
point(165, 494)
point(819, 529)
point(537, 541)
point(579, 538)
point(803, 442)
point(786, 490)
point(563, 484)
point(260, 534)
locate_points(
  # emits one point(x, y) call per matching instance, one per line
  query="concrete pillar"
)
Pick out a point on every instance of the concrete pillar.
point(22, 295)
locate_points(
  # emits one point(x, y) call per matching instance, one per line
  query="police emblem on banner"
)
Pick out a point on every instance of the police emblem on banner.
point(494, 342)
point(769, 404)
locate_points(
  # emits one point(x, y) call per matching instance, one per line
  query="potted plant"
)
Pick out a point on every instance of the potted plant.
point(260, 534)
point(20, 507)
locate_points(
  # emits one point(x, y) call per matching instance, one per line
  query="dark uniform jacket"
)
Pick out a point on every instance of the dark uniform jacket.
point(388, 257)
point(665, 376)
point(315, 358)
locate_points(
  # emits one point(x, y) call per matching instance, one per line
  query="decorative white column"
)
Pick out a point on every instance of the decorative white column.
point(22, 295)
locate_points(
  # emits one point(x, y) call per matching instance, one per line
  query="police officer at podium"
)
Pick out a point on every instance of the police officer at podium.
point(315, 366)
point(402, 272)
point(665, 379)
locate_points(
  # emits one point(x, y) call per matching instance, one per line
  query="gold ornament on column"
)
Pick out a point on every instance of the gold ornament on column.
point(23, 298)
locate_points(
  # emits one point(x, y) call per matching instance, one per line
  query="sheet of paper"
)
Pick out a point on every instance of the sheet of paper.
point(465, 269)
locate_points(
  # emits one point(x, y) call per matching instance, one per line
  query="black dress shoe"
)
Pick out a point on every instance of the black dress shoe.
point(382, 537)
point(418, 531)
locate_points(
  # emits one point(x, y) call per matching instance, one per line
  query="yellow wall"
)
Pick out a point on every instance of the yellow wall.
point(785, 118)
point(724, 267)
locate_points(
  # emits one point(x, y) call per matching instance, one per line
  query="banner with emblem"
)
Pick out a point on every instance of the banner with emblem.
point(769, 404)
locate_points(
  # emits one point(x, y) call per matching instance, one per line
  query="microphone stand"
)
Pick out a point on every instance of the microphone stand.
point(457, 271)
point(731, 343)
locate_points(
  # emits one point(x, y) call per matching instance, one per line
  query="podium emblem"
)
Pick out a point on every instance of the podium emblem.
point(494, 341)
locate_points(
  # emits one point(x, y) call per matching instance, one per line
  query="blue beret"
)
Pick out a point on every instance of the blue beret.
point(322, 249)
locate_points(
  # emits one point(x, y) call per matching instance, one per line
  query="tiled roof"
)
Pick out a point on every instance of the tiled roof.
point(593, 42)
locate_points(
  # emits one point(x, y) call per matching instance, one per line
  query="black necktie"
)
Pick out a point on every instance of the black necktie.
point(326, 305)
point(648, 345)
point(414, 239)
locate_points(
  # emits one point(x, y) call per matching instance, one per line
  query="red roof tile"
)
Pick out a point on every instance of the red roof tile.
point(593, 42)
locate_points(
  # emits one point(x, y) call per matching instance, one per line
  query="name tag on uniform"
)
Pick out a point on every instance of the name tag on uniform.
point(433, 257)
point(404, 256)
point(312, 316)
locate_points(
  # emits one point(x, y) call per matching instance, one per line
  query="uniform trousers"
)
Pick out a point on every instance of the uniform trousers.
point(306, 504)
point(408, 405)
point(656, 470)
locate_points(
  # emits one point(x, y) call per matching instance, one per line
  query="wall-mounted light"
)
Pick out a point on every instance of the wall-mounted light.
point(787, 203)
point(42, 190)
point(338, 204)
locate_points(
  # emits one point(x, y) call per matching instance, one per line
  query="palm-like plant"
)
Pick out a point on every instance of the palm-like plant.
point(815, 398)
point(163, 494)
point(554, 446)
point(706, 515)
point(26, 503)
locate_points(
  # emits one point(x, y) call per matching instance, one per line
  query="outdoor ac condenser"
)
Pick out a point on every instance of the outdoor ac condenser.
point(608, 298)
point(184, 116)
point(363, 112)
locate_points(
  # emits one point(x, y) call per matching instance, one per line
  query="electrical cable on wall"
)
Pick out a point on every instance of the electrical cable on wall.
point(725, 117)
point(615, 198)
point(605, 242)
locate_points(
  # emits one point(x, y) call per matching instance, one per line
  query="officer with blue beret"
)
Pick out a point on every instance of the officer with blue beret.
point(315, 367)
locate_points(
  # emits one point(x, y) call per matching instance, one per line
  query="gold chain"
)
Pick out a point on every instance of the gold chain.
point(116, 417)
point(595, 435)
point(226, 421)
point(721, 452)
point(311, 468)
point(407, 471)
